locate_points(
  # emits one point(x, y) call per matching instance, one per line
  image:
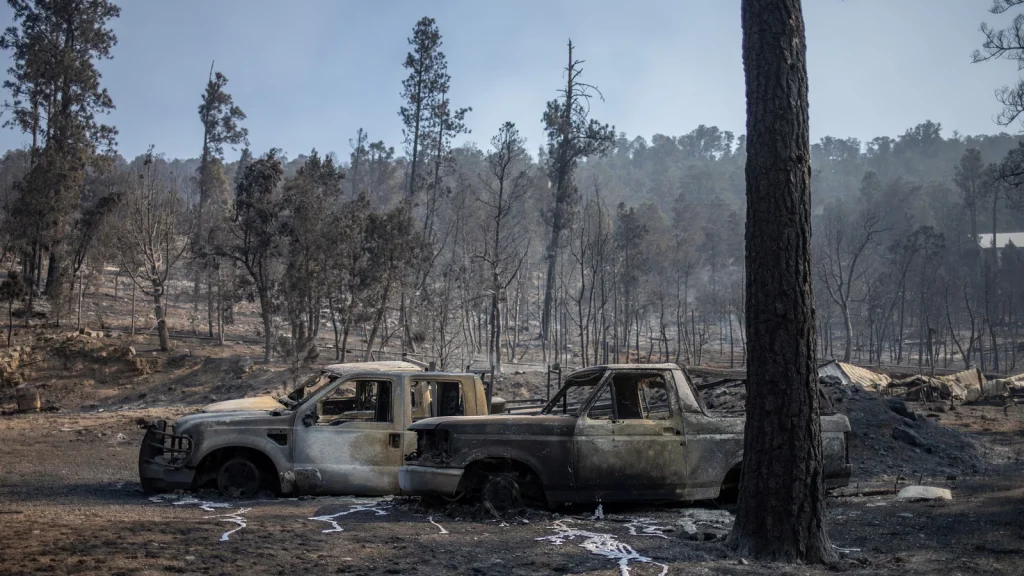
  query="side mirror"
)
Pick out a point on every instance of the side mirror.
point(309, 419)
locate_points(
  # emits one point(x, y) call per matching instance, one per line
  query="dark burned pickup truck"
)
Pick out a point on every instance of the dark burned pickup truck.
point(612, 433)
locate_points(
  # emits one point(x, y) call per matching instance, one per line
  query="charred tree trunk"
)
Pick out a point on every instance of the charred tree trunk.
point(268, 325)
point(848, 331)
point(344, 341)
point(161, 318)
point(220, 308)
point(132, 337)
point(781, 511)
point(52, 286)
point(210, 314)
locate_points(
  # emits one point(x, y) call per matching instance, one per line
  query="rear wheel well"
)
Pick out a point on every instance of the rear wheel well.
point(730, 491)
point(206, 472)
point(479, 471)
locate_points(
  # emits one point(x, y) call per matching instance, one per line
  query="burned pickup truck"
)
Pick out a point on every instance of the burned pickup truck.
point(612, 433)
point(343, 431)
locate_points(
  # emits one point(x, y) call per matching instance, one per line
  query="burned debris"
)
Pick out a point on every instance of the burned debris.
point(895, 418)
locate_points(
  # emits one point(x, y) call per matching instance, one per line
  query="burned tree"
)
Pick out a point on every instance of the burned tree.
point(56, 96)
point(1008, 44)
point(393, 247)
point(252, 235)
point(504, 189)
point(572, 135)
point(781, 512)
point(307, 203)
point(151, 235)
point(221, 120)
point(842, 267)
point(12, 290)
point(422, 93)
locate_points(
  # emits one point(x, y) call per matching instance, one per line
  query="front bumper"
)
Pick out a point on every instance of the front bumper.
point(162, 459)
point(429, 480)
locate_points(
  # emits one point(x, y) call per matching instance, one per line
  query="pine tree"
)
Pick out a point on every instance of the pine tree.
point(56, 96)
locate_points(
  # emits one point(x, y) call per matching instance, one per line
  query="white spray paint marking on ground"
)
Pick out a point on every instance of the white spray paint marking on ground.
point(235, 517)
point(605, 545)
point(443, 531)
point(646, 528)
point(207, 506)
point(844, 550)
point(694, 517)
point(331, 518)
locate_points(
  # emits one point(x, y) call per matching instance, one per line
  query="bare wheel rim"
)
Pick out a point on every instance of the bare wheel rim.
point(502, 492)
point(238, 478)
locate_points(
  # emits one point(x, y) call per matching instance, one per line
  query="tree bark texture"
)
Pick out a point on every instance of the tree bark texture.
point(160, 313)
point(781, 511)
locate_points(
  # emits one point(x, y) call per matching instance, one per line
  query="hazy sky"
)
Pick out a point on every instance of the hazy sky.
point(308, 73)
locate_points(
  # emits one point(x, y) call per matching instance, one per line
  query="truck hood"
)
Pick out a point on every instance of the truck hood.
point(506, 424)
point(257, 403)
point(228, 419)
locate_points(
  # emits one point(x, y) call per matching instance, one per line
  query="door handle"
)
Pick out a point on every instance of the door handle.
point(394, 440)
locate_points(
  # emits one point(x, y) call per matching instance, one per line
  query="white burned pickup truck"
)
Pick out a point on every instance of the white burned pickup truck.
point(612, 433)
point(343, 431)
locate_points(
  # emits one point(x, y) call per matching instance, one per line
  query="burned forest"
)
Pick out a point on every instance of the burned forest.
point(635, 290)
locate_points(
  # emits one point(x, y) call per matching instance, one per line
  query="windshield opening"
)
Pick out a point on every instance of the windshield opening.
point(573, 395)
point(307, 389)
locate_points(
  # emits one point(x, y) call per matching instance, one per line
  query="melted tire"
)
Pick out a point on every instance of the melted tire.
point(502, 492)
point(238, 477)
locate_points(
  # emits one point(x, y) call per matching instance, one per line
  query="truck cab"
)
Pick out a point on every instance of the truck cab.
point(343, 431)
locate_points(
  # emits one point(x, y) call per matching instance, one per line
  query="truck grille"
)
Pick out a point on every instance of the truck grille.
point(432, 447)
point(160, 440)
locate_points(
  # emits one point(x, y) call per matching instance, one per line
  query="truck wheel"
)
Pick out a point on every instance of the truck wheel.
point(238, 478)
point(502, 493)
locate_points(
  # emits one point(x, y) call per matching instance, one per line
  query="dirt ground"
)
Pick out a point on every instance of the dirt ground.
point(70, 504)
point(70, 501)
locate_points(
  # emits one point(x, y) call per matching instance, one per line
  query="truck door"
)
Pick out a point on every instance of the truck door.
point(629, 444)
point(433, 395)
point(349, 440)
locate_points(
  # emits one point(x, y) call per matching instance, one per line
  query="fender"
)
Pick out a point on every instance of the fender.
point(276, 453)
point(513, 454)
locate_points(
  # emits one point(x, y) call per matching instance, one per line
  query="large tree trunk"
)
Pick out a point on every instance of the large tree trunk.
point(549, 283)
point(161, 320)
point(131, 338)
point(268, 326)
point(344, 342)
point(495, 333)
point(210, 304)
point(781, 511)
point(220, 308)
point(848, 328)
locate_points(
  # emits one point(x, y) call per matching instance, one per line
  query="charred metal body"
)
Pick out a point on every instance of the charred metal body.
point(612, 433)
point(344, 431)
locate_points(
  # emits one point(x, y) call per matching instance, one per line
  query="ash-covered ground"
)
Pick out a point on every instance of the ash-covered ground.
point(70, 502)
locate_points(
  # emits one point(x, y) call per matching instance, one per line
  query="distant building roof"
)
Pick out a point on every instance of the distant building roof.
point(1002, 239)
point(382, 366)
point(851, 374)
